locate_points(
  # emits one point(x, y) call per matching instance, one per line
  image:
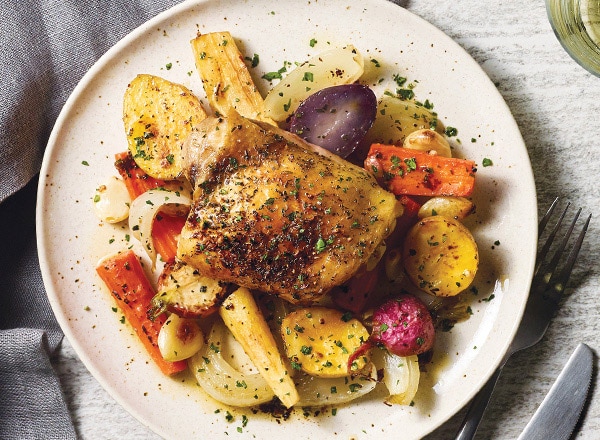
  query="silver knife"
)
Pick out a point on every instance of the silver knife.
point(561, 408)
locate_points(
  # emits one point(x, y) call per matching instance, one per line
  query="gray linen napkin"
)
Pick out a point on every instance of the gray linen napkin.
point(47, 46)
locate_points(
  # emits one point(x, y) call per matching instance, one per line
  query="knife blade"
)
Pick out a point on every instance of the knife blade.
point(560, 410)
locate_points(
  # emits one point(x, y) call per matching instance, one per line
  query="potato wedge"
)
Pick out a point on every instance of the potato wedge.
point(457, 208)
point(158, 115)
point(320, 341)
point(225, 77)
point(440, 256)
point(249, 327)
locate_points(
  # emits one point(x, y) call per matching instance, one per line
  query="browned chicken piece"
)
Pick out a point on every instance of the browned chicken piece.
point(276, 214)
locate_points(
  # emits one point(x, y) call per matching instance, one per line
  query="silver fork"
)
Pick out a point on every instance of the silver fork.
point(545, 294)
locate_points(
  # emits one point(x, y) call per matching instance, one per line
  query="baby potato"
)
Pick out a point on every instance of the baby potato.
point(453, 207)
point(440, 256)
point(320, 341)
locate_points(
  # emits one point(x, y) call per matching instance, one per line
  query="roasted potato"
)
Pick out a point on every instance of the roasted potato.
point(320, 341)
point(440, 256)
point(454, 207)
point(158, 116)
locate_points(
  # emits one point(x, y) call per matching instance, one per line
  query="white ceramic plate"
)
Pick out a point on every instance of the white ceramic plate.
point(89, 131)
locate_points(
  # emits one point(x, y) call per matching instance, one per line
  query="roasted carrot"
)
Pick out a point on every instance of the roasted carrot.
point(410, 172)
point(165, 234)
point(166, 228)
point(125, 278)
point(136, 179)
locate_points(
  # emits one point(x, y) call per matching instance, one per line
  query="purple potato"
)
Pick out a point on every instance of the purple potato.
point(336, 118)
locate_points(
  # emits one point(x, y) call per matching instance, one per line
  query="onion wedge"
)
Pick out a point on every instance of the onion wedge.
point(146, 207)
point(227, 383)
point(401, 376)
point(342, 65)
point(318, 391)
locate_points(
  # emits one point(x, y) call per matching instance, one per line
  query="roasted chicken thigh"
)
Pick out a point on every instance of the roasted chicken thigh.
point(276, 214)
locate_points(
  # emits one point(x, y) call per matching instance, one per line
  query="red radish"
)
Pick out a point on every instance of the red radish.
point(402, 325)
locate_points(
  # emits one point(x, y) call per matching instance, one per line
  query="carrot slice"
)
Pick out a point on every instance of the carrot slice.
point(125, 278)
point(409, 172)
point(165, 235)
point(136, 179)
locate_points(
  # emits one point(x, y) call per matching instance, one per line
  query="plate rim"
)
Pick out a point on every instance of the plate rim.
point(79, 90)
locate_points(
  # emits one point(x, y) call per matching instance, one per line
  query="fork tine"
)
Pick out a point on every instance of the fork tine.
point(560, 281)
point(553, 265)
point(546, 247)
point(546, 280)
point(546, 217)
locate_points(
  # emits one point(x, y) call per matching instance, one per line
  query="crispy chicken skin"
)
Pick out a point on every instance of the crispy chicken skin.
point(276, 214)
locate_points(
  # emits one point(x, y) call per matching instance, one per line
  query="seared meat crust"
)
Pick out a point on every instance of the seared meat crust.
point(274, 214)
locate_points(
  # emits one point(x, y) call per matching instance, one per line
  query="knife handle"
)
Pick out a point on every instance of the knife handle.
point(477, 408)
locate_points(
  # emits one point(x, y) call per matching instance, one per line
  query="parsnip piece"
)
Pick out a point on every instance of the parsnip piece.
point(158, 116)
point(225, 77)
point(320, 341)
point(244, 319)
point(334, 67)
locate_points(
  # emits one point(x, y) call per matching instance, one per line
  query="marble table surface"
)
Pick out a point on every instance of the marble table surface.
point(556, 104)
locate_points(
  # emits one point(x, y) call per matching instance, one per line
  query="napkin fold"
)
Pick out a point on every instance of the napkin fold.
point(48, 47)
